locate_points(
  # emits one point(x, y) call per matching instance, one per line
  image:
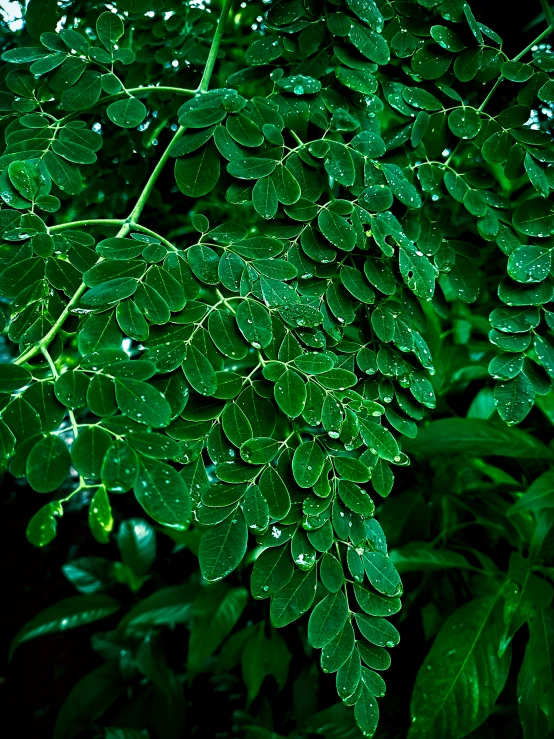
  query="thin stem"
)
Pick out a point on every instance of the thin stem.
point(56, 374)
point(143, 198)
point(159, 88)
point(490, 94)
point(539, 38)
point(223, 300)
point(53, 368)
point(74, 424)
point(88, 222)
point(212, 56)
point(516, 58)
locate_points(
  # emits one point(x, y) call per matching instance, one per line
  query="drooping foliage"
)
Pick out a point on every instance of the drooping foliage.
point(230, 239)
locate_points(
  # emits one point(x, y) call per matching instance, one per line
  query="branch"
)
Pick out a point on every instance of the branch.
point(131, 222)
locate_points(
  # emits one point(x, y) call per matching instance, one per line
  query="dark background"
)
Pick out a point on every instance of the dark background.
point(43, 671)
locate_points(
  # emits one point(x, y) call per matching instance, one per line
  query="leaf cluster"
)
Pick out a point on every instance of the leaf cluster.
point(256, 361)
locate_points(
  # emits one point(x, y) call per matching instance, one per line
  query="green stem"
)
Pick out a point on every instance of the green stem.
point(212, 56)
point(87, 222)
point(159, 88)
point(521, 54)
point(145, 194)
point(53, 368)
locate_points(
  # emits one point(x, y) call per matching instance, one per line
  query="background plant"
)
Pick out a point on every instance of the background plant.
point(250, 343)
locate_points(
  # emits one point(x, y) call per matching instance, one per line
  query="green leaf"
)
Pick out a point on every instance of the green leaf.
point(382, 574)
point(41, 16)
point(254, 323)
point(517, 71)
point(446, 38)
point(225, 335)
point(379, 440)
point(141, 402)
point(366, 712)
point(420, 98)
point(529, 263)
point(66, 614)
point(294, 599)
point(307, 464)
point(463, 661)
point(272, 570)
point(264, 198)
point(374, 603)
point(355, 498)
point(418, 274)
point(327, 619)
point(109, 29)
point(465, 123)
point(540, 494)
point(372, 45)
point(197, 175)
point(120, 467)
point(337, 230)
point(534, 217)
point(84, 94)
point(48, 464)
point(290, 393)
point(474, 437)
point(255, 510)
point(514, 399)
point(251, 168)
point(199, 372)
point(13, 377)
point(163, 494)
point(25, 177)
point(223, 547)
point(42, 527)
point(128, 113)
point(109, 292)
point(88, 451)
point(274, 491)
point(100, 517)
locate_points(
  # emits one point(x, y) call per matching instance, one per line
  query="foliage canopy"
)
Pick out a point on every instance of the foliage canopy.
point(356, 232)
